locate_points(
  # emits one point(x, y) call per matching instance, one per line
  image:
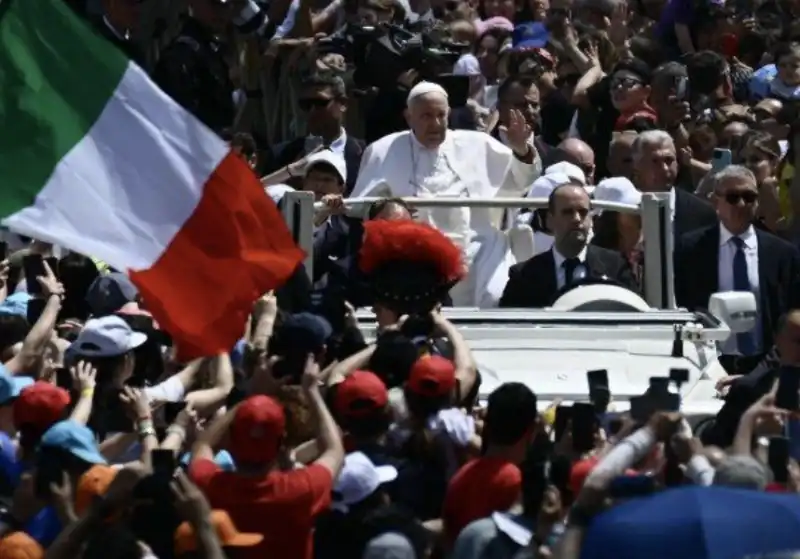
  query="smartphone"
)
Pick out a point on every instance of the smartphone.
point(788, 395)
point(599, 392)
point(778, 458)
point(3, 250)
point(681, 88)
point(626, 487)
point(52, 261)
point(640, 409)
point(721, 159)
point(664, 401)
point(33, 268)
point(659, 384)
point(563, 417)
point(584, 425)
point(164, 465)
point(597, 378)
point(679, 376)
point(34, 310)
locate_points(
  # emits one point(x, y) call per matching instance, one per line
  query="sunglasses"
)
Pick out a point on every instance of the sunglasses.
point(748, 198)
point(627, 83)
point(308, 104)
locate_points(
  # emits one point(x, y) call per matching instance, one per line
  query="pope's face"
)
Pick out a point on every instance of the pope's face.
point(427, 117)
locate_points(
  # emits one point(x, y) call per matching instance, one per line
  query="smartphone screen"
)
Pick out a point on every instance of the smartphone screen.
point(563, 417)
point(34, 310)
point(164, 465)
point(788, 395)
point(778, 458)
point(33, 267)
point(721, 159)
point(584, 425)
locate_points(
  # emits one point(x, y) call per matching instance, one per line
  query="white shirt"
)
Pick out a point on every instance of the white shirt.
point(337, 146)
point(727, 251)
point(559, 259)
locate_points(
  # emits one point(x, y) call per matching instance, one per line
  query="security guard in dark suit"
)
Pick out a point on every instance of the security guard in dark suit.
point(192, 69)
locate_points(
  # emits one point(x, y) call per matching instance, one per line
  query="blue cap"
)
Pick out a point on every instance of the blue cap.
point(76, 439)
point(11, 386)
point(223, 459)
point(306, 330)
point(16, 303)
point(109, 293)
point(530, 35)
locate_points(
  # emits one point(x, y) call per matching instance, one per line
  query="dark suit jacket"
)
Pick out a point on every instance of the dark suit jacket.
point(338, 238)
point(532, 284)
point(288, 152)
point(692, 213)
point(697, 267)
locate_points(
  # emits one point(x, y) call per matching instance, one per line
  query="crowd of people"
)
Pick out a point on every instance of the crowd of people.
point(307, 439)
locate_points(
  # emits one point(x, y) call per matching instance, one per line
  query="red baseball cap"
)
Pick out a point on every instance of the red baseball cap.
point(432, 376)
point(40, 405)
point(257, 430)
point(360, 393)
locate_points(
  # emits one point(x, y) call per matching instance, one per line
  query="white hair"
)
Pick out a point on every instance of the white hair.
point(650, 139)
point(732, 172)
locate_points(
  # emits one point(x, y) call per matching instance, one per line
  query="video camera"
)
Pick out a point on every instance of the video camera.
point(383, 52)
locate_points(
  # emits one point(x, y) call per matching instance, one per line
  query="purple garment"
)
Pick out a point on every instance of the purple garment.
point(675, 12)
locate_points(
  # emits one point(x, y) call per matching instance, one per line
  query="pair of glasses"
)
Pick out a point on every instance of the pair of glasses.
point(748, 198)
point(314, 102)
point(627, 83)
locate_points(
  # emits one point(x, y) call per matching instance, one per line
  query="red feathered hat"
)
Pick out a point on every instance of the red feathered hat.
point(410, 266)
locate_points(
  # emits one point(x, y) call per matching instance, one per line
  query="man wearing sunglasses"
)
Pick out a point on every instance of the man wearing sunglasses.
point(323, 99)
point(735, 256)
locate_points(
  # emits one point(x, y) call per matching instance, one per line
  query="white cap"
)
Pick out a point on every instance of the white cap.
point(619, 190)
point(278, 191)
point(334, 160)
point(424, 88)
point(107, 336)
point(359, 479)
point(546, 184)
point(572, 171)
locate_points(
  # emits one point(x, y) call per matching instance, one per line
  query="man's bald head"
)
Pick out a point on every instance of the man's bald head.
point(580, 153)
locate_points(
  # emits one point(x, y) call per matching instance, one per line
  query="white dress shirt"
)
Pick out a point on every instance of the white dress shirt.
point(337, 146)
point(727, 251)
point(561, 276)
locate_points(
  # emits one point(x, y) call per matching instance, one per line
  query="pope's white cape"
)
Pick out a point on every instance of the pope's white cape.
point(139, 183)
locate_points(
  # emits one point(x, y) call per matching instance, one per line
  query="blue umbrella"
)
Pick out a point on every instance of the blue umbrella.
point(696, 523)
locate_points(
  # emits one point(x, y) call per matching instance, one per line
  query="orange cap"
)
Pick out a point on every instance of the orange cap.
point(228, 534)
point(93, 483)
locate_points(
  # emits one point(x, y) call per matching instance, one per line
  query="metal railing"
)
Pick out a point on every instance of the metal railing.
point(299, 209)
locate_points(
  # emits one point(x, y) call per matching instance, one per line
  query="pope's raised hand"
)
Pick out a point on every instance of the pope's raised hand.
point(518, 132)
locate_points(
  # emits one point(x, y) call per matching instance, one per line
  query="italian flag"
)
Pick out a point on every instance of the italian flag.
point(95, 158)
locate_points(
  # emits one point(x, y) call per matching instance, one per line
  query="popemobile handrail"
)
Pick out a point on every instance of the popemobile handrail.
point(299, 209)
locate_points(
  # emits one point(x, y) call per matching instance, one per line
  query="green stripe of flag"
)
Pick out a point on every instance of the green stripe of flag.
point(56, 76)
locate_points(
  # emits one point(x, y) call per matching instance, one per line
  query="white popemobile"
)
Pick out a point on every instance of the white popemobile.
point(595, 325)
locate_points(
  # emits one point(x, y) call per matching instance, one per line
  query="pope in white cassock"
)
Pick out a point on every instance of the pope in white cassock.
point(431, 161)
